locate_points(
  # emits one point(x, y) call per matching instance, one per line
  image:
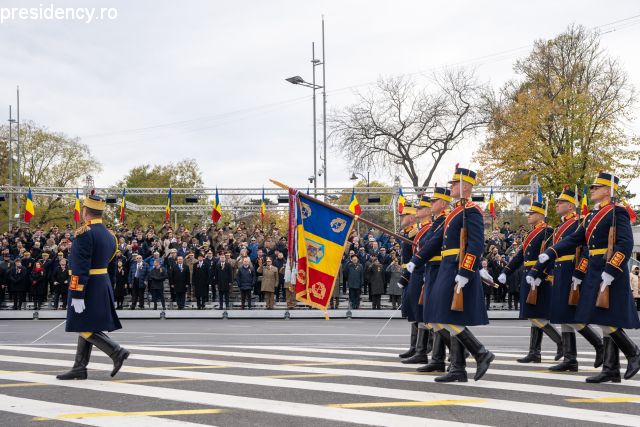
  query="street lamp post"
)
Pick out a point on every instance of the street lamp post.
point(297, 80)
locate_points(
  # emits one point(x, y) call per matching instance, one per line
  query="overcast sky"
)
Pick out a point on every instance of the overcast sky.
point(168, 80)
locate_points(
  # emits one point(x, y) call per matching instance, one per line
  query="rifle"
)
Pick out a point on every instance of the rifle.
point(574, 294)
point(457, 302)
point(603, 296)
point(532, 296)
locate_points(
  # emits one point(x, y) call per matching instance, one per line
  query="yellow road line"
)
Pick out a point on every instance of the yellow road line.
point(606, 400)
point(85, 415)
point(21, 385)
point(447, 402)
point(300, 376)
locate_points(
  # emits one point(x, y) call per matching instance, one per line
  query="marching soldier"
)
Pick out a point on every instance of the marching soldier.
point(91, 308)
point(562, 311)
point(460, 243)
point(605, 294)
point(439, 203)
point(410, 229)
point(538, 311)
point(411, 306)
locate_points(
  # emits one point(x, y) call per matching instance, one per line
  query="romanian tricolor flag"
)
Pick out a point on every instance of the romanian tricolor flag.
point(216, 213)
point(29, 211)
point(167, 209)
point(354, 206)
point(320, 236)
point(76, 208)
point(401, 200)
point(584, 206)
point(262, 207)
point(123, 205)
point(491, 206)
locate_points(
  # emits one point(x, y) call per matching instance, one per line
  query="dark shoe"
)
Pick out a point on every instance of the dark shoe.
point(629, 349)
point(111, 348)
point(555, 336)
point(457, 369)
point(483, 356)
point(569, 348)
point(535, 342)
point(594, 339)
point(421, 348)
point(412, 342)
point(79, 369)
point(437, 357)
point(610, 366)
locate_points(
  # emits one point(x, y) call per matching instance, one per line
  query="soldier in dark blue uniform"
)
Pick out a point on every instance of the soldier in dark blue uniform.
point(562, 279)
point(606, 268)
point(409, 230)
point(439, 203)
point(91, 308)
point(540, 312)
point(458, 273)
point(411, 306)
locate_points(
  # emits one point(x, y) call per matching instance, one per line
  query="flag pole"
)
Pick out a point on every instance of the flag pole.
point(347, 213)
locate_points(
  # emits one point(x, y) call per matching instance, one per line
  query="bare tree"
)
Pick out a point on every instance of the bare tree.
point(398, 124)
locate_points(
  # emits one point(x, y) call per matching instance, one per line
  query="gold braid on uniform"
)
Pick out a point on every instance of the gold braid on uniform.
point(82, 229)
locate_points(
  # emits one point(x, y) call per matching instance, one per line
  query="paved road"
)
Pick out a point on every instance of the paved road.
point(288, 373)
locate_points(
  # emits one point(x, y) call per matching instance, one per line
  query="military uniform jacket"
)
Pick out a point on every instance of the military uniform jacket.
point(93, 250)
point(594, 233)
point(446, 243)
point(411, 295)
point(562, 271)
point(433, 264)
point(527, 257)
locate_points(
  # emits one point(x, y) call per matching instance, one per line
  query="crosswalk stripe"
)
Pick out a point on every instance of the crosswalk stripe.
point(86, 415)
point(405, 404)
point(393, 376)
point(359, 390)
point(277, 407)
point(49, 410)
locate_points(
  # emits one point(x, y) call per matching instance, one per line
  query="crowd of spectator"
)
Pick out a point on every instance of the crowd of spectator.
point(192, 267)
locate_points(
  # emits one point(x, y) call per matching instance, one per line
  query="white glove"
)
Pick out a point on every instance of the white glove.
point(461, 281)
point(77, 304)
point(400, 285)
point(606, 280)
point(535, 283)
point(575, 282)
point(543, 258)
point(529, 279)
point(502, 278)
point(485, 275)
point(410, 267)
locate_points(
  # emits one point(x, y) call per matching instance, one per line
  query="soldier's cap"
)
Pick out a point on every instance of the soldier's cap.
point(604, 180)
point(537, 207)
point(467, 175)
point(441, 193)
point(45, 254)
point(425, 202)
point(408, 210)
point(27, 253)
point(95, 202)
point(568, 195)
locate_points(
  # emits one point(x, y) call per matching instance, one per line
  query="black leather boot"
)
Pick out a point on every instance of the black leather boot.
point(570, 350)
point(421, 348)
point(629, 349)
point(412, 343)
point(483, 356)
point(610, 366)
point(555, 336)
point(594, 339)
point(437, 357)
point(430, 338)
point(535, 342)
point(79, 369)
point(457, 369)
point(111, 348)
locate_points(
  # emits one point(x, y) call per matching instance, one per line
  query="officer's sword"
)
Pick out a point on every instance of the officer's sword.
point(385, 325)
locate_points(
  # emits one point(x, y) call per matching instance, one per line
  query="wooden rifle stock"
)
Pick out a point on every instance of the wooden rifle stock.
point(603, 296)
point(421, 299)
point(574, 294)
point(532, 296)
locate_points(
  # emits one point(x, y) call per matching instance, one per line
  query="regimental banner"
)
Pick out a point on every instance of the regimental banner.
point(321, 234)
